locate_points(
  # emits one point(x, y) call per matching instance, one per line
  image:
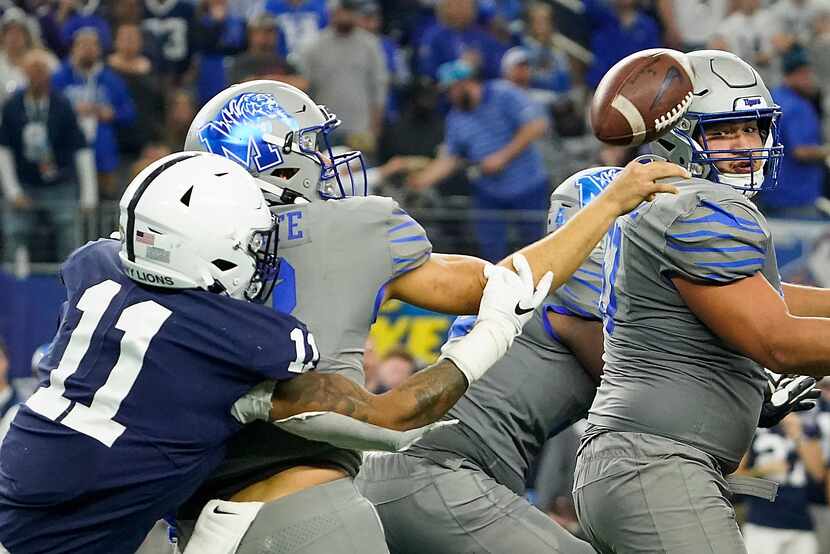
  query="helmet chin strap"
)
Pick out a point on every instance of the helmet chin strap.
point(743, 181)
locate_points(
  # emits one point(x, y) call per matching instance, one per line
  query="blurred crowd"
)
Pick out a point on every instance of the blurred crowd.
point(468, 111)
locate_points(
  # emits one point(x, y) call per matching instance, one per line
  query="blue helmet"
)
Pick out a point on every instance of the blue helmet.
point(281, 137)
point(726, 89)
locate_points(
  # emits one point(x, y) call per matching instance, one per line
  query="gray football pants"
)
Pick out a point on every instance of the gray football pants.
point(327, 519)
point(425, 507)
point(640, 493)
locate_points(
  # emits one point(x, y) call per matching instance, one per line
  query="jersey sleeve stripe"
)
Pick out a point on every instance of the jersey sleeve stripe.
point(716, 208)
point(701, 249)
point(399, 211)
point(739, 263)
point(412, 238)
point(722, 220)
point(401, 226)
point(702, 233)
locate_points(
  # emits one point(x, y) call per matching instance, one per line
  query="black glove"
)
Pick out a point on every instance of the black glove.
point(784, 395)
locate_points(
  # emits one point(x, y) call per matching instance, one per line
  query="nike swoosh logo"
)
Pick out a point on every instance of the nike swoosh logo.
point(216, 510)
point(522, 311)
point(671, 75)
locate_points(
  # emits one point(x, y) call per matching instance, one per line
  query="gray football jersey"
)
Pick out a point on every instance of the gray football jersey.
point(665, 372)
point(538, 388)
point(337, 256)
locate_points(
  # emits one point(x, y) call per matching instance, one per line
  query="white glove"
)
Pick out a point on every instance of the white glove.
point(508, 303)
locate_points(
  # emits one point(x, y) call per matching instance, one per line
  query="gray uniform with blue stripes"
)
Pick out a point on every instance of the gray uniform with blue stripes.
point(337, 257)
point(677, 407)
point(459, 489)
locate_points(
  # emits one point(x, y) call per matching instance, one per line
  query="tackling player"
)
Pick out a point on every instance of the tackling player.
point(161, 333)
point(341, 260)
point(693, 308)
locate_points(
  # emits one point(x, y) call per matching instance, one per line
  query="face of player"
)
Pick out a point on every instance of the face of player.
point(734, 135)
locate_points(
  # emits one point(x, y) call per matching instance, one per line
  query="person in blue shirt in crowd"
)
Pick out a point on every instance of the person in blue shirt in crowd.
point(802, 175)
point(85, 14)
point(100, 98)
point(44, 157)
point(618, 28)
point(457, 36)
point(492, 127)
point(218, 34)
point(300, 21)
point(171, 23)
point(787, 454)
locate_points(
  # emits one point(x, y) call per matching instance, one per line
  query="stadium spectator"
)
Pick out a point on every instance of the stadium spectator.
point(549, 65)
point(181, 110)
point(457, 35)
point(618, 28)
point(492, 127)
point(347, 73)
point(516, 68)
point(300, 20)
point(261, 60)
point(791, 22)
point(43, 158)
point(689, 24)
point(100, 99)
point(817, 490)
point(786, 453)
point(394, 369)
point(218, 35)
point(371, 361)
point(745, 32)
point(802, 171)
point(171, 24)
point(371, 20)
point(16, 38)
point(136, 71)
point(14, 392)
point(75, 15)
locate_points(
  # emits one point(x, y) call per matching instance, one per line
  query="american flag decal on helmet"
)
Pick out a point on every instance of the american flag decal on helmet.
point(144, 237)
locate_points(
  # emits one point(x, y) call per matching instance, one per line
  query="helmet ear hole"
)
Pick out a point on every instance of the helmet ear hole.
point(668, 146)
point(185, 199)
point(223, 265)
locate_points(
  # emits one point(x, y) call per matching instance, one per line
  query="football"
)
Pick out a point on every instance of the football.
point(641, 97)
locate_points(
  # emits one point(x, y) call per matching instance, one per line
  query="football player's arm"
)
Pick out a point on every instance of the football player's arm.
point(418, 401)
point(423, 398)
point(446, 283)
point(583, 337)
point(750, 316)
point(806, 301)
point(564, 250)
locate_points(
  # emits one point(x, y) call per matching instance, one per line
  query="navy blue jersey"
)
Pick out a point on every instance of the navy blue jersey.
point(135, 411)
point(171, 23)
point(820, 418)
point(789, 511)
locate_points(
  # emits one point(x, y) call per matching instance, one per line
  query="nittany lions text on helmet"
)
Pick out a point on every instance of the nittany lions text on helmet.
point(282, 137)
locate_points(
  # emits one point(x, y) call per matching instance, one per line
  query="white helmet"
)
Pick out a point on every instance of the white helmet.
point(281, 136)
point(197, 220)
point(726, 89)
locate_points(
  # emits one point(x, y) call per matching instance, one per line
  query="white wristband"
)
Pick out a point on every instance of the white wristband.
point(479, 349)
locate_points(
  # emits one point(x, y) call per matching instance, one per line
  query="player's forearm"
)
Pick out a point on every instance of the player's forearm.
point(806, 301)
point(418, 401)
point(563, 251)
point(447, 283)
point(799, 345)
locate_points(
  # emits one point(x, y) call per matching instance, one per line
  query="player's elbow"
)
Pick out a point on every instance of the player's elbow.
point(780, 356)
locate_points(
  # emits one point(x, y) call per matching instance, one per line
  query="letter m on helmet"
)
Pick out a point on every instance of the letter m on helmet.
point(237, 132)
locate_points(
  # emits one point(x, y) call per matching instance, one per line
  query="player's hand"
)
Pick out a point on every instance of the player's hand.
point(511, 297)
point(785, 395)
point(638, 182)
